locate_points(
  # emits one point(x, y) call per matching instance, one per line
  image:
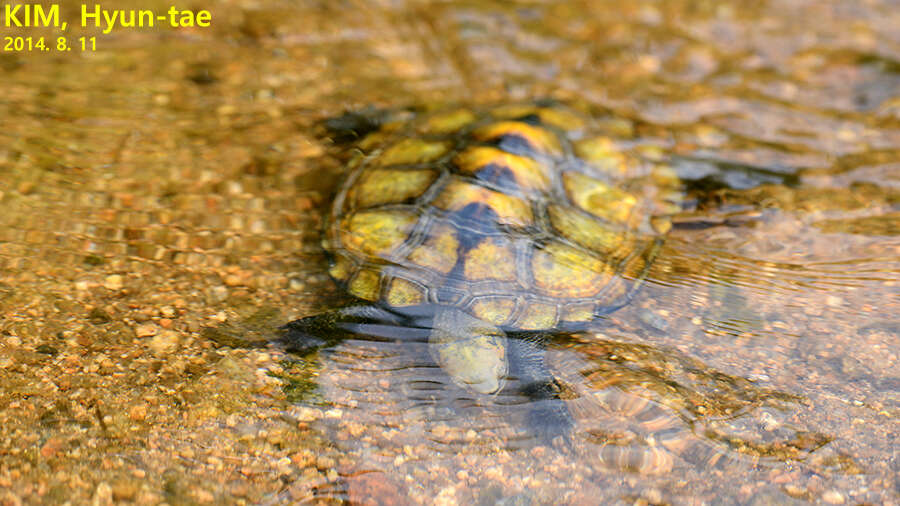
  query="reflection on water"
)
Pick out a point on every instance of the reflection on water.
point(171, 182)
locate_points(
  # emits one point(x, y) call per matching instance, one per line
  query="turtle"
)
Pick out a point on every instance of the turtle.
point(488, 232)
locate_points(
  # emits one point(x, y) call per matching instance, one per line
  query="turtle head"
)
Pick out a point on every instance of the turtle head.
point(472, 352)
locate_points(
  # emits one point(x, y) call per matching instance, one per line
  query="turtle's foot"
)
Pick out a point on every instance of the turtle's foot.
point(552, 423)
point(307, 335)
point(325, 330)
point(548, 416)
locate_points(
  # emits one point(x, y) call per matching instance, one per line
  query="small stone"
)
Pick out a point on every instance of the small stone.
point(239, 490)
point(305, 414)
point(25, 187)
point(374, 488)
point(233, 280)
point(165, 343)
point(847, 135)
point(167, 311)
point(125, 490)
point(103, 494)
point(323, 462)
point(769, 422)
point(833, 497)
point(51, 447)
point(334, 413)
point(834, 301)
point(446, 496)
point(204, 496)
point(356, 429)
point(219, 293)
point(138, 412)
point(283, 464)
point(493, 473)
point(654, 496)
point(113, 282)
point(439, 431)
point(794, 490)
point(303, 458)
point(146, 330)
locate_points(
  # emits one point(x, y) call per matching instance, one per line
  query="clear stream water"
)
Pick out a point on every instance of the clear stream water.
point(161, 202)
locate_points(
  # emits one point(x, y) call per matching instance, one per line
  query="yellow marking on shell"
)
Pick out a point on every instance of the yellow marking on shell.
point(377, 232)
point(447, 122)
point(513, 111)
point(341, 268)
point(401, 293)
point(366, 285)
point(599, 198)
point(661, 224)
point(563, 119)
point(577, 313)
point(537, 316)
point(439, 251)
point(665, 176)
point(390, 186)
point(496, 310)
point(669, 195)
point(540, 139)
point(586, 231)
point(397, 121)
point(412, 151)
point(602, 153)
point(374, 140)
point(563, 271)
point(617, 127)
point(649, 152)
point(493, 258)
point(510, 210)
point(529, 174)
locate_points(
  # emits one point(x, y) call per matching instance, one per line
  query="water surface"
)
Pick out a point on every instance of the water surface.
point(161, 202)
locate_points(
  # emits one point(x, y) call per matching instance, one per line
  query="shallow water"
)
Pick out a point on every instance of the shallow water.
point(161, 203)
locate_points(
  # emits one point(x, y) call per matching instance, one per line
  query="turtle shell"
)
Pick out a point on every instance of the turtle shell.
point(525, 216)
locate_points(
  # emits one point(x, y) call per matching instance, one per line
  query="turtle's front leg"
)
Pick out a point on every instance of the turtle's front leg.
point(328, 329)
point(548, 415)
